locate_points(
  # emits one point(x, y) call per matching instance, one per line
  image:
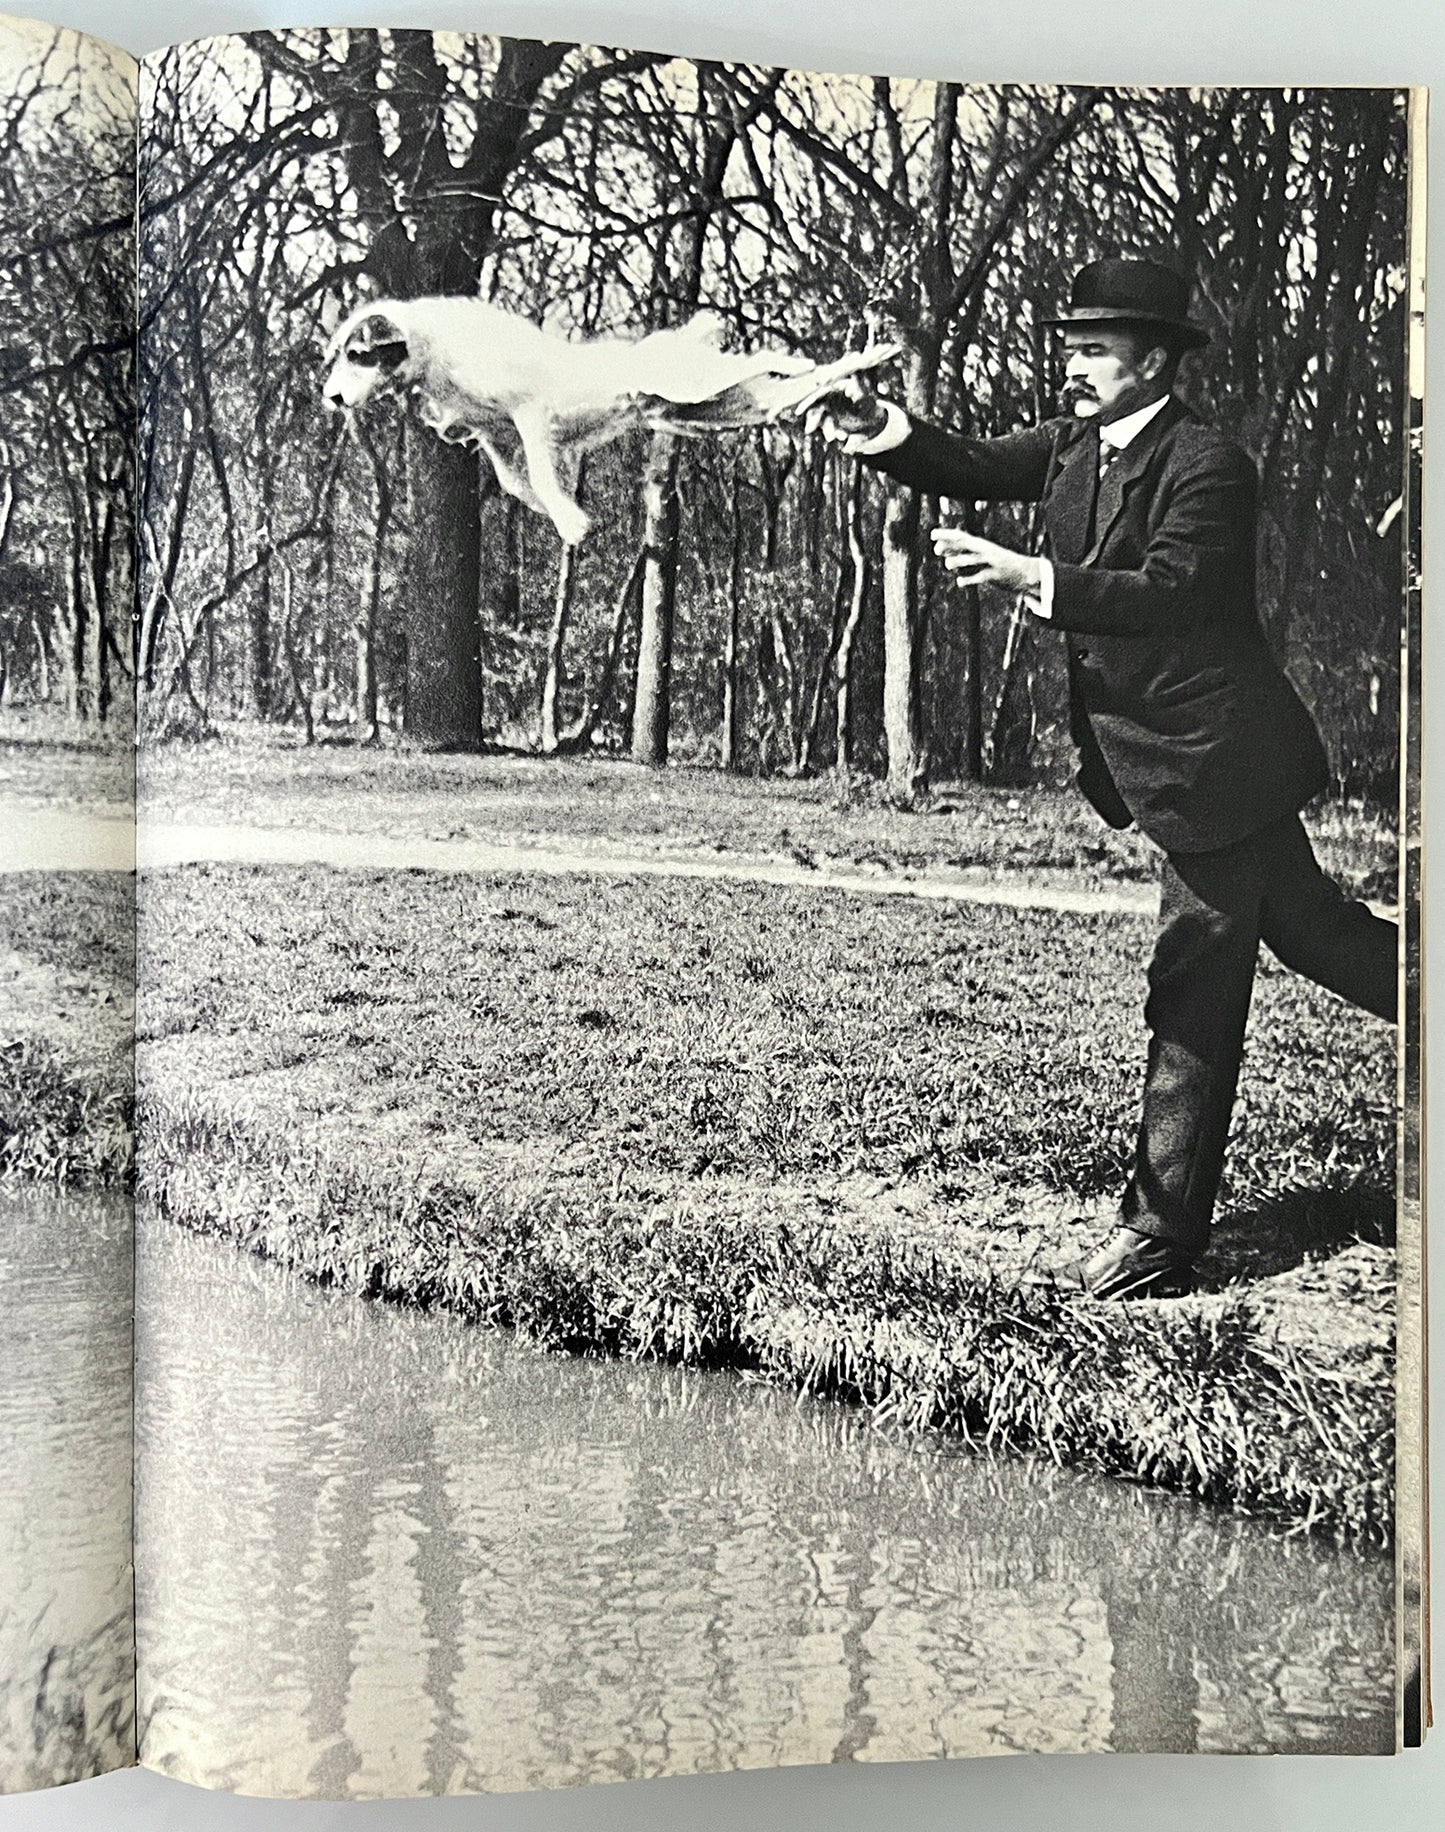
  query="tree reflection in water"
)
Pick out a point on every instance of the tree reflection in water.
point(391, 1554)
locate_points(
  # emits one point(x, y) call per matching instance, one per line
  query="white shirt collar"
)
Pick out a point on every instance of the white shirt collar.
point(1121, 432)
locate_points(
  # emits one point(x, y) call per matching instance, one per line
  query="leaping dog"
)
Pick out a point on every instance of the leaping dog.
point(535, 402)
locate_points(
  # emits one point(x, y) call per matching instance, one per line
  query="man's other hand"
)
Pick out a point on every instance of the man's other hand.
point(847, 410)
point(975, 561)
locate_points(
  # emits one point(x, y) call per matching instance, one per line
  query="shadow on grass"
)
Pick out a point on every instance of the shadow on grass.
point(1294, 1228)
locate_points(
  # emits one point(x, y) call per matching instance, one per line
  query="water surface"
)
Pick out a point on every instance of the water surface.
point(66, 1679)
point(390, 1554)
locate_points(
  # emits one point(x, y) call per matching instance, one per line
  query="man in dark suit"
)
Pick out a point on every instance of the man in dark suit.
point(1185, 722)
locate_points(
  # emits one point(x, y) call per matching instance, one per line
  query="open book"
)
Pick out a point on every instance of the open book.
point(610, 1188)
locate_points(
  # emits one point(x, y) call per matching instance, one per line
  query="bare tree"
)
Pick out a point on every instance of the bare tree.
point(755, 605)
point(67, 271)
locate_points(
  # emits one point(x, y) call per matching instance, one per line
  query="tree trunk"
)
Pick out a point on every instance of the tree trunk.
point(96, 623)
point(367, 707)
point(82, 610)
point(973, 686)
point(721, 123)
point(652, 704)
point(444, 654)
point(902, 709)
point(440, 251)
point(730, 684)
point(784, 653)
point(858, 597)
point(730, 747)
point(579, 736)
point(7, 494)
point(902, 517)
point(42, 659)
point(291, 639)
point(1008, 747)
point(115, 590)
point(556, 642)
point(368, 710)
point(261, 642)
point(261, 636)
point(74, 643)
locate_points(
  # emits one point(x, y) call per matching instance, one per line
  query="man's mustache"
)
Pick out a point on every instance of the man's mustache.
point(1076, 391)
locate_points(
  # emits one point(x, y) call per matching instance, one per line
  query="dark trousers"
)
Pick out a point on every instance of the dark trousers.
point(1215, 908)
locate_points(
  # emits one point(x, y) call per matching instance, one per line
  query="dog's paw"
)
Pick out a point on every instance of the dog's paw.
point(571, 521)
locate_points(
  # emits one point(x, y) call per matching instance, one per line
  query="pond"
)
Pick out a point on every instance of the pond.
point(388, 1553)
point(66, 1676)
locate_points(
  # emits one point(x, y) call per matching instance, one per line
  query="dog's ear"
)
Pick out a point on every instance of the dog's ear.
point(376, 343)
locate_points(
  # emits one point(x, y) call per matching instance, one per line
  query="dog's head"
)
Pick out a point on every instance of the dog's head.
point(366, 354)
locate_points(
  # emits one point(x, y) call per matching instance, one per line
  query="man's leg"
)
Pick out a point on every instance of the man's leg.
point(1214, 908)
point(1200, 981)
point(1316, 930)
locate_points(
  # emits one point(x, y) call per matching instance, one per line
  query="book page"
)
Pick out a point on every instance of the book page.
point(703, 1203)
point(67, 904)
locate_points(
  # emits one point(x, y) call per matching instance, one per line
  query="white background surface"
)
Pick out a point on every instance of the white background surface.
point(1139, 41)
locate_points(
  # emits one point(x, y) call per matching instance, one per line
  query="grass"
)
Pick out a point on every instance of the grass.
point(49, 760)
point(66, 1053)
point(610, 807)
point(840, 1140)
point(58, 1122)
point(80, 923)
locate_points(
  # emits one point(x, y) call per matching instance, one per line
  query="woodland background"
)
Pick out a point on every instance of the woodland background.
point(755, 602)
point(67, 335)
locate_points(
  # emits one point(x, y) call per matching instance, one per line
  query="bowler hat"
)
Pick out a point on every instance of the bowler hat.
point(1116, 291)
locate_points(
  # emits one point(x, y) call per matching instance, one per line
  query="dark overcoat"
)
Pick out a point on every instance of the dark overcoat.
point(1184, 720)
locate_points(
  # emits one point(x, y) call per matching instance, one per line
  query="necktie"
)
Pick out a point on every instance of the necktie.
point(1102, 507)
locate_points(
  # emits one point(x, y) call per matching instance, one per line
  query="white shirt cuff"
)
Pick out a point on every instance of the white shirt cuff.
point(893, 432)
point(1043, 605)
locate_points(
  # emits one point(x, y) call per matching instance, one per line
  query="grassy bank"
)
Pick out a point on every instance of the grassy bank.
point(67, 983)
point(840, 1140)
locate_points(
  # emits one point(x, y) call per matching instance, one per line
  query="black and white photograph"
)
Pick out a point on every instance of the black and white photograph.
point(773, 1034)
point(67, 903)
point(734, 668)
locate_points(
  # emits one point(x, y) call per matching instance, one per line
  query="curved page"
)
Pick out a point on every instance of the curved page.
point(67, 904)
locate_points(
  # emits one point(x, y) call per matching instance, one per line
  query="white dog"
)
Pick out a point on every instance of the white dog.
point(534, 402)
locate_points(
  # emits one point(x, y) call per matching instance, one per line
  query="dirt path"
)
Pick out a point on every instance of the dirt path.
point(73, 840)
point(68, 840)
point(65, 838)
point(169, 844)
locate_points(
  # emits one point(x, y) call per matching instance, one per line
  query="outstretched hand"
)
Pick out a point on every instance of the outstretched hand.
point(844, 410)
point(975, 561)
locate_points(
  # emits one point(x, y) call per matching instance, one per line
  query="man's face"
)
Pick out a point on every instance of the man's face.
point(1109, 371)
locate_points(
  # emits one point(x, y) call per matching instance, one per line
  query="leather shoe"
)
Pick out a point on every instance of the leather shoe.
point(1135, 1265)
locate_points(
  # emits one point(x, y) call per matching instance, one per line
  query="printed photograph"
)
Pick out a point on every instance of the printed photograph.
point(67, 903)
point(770, 726)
